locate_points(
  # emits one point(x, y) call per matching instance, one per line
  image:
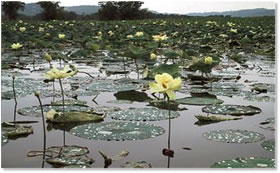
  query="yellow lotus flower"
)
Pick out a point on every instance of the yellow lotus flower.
point(16, 46)
point(54, 73)
point(22, 29)
point(50, 26)
point(139, 34)
point(48, 57)
point(159, 37)
point(233, 30)
point(41, 29)
point(129, 36)
point(61, 36)
point(153, 56)
point(99, 33)
point(230, 24)
point(208, 60)
point(110, 33)
point(166, 84)
point(223, 35)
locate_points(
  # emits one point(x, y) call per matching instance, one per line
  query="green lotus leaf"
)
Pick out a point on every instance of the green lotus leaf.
point(237, 110)
point(241, 162)
point(269, 145)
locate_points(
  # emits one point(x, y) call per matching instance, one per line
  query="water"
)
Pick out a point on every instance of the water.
point(184, 133)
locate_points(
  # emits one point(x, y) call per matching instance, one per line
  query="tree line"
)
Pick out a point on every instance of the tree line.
point(109, 10)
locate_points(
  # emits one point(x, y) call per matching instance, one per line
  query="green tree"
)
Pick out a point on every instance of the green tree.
point(120, 10)
point(51, 10)
point(10, 8)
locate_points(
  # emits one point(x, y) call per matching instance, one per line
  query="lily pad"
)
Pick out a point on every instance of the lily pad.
point(199, 101)
point(120, 101)
point(132, 96)
point(35, 111)
point(4, 140)
point(139, 164)
point(260, 98)
point(233, 136)
point(13, 131)
point(263, 87)
point(231, 110)
point(251, 162)
point(104, 109)
point(143, 114)
point(163, 104)
point(69, 102)
point(69, 151)
point(81, 92)
point(110, 86)
point(268, 124)
point(269, 145)
point(70, 161)
point(215, 118)
point(117, 131)
point(73, 117)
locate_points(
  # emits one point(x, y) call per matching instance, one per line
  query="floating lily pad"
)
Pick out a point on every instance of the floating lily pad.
point(13, 131)
point(73, 117)
point(263, 87)
point(251, 162)
point(69, 102)
point(260, 98)
point(269, 145)
point(77, 166)
point(139, 164)
point(120, 101)
point(35, 111)
point(268, 124)
point(143, 114)
point(231, 110)
point(69, 151)
point(233, 136)
point(110, 86)
point(70, 161)
point(105, 109)
point(81, 92)
point(215, 118)
point(4, 140)
point(199, 101)
point(117, 131)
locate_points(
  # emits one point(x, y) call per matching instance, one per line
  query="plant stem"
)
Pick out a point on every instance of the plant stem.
point(15, 98)
point(124, 67)
point(44, 130)
point(169, 122)
point(136, 67)
point(62, 93)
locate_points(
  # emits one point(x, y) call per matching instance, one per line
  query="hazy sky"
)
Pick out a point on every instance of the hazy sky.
point(185, 6)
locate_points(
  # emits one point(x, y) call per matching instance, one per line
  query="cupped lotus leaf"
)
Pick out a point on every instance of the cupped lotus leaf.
point(4, 140)
point(233, 136)
point(132, 96)
point(69, 102)
point(110, 86)
point(35, 111)
point(250, 162)
point(215, 118)
point(237, 110)
point(268, 124)
point(70, 161)
point(13, 131)
point(139, 164)
point(117, 131)
point(143, 114)
point(269, 145)
point(199, 101)
point(74, 117)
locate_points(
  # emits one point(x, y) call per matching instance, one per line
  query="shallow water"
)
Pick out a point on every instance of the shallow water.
point(184, 132)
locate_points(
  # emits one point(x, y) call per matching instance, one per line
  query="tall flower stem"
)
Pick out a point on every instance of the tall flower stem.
point(44, 127)
point(136, 67)
point(15, 98)
point(62, 93)
point(169, 122)
point(63, 109)
point(124, 67)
